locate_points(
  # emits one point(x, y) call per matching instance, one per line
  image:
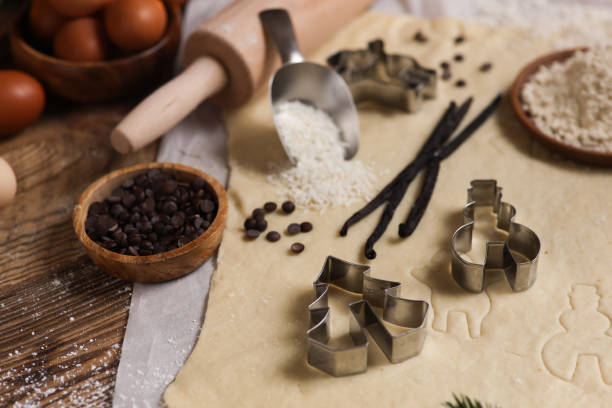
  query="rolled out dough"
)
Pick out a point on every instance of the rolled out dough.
point(549, 346)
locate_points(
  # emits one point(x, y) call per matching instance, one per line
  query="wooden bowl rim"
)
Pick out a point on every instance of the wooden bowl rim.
point(80, 214)
point(570, 151)
point(174, 23)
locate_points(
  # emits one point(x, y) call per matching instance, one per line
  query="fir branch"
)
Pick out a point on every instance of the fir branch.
point(464, 401)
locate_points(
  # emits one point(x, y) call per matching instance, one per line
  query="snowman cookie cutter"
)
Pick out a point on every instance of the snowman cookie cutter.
point(517, 256)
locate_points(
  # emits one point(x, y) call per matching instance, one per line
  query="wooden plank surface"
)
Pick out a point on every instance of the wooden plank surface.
point(62, 319)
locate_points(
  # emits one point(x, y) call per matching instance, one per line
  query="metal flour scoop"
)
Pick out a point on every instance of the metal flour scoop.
point(310, 83)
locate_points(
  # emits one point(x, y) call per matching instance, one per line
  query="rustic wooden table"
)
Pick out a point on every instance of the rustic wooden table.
point(62, 320)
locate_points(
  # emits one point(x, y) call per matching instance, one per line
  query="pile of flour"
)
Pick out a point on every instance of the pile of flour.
point(321, 177)
point(572, 100)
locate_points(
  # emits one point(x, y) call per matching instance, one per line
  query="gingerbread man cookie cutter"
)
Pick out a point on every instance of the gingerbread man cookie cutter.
point(517, 256)
point(389, 79)
point(407, 313)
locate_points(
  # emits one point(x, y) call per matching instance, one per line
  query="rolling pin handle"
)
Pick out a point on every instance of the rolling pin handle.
point(165, 107)
point(277, 24)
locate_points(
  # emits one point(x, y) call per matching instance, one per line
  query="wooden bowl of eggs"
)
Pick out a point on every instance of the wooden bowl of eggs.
point(97, 50)
point(103, 218)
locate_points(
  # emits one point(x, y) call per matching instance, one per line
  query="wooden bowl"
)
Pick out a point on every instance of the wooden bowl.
point(158, 267)
point(567, 150)
point(103, 80)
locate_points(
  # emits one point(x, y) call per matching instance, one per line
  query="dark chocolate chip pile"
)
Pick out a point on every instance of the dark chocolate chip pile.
point(256, 224)
point(151, 213)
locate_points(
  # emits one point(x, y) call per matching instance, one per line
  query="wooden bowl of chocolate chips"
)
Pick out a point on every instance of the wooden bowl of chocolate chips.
point(151, 222)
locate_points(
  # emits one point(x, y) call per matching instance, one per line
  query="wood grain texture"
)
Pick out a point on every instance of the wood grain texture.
point(62, 320)
point(157, 267)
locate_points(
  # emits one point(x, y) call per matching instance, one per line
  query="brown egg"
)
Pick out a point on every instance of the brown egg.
point(82, 39)
point(22, 99)
point(8, 183)
point(44, 20)
point(79, 8)
point(134, 25)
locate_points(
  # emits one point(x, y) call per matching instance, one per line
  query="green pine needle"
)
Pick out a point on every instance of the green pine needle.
point(463, 401)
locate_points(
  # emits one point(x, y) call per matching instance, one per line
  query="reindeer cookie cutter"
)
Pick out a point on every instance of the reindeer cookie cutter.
point(407, 313)
point(517, 256)
point(389, 79)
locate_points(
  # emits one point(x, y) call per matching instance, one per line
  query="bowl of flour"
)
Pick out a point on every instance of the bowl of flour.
point(565, 100)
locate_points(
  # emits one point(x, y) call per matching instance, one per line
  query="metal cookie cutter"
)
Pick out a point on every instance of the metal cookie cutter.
point(517, 256)
point(395, 80)
point(341, 361)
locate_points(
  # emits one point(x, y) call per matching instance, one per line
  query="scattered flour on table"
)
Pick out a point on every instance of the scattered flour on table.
point(572, 100)
point(321, 177)
point(571, 22)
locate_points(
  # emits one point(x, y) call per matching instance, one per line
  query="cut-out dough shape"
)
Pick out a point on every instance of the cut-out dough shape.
point(585, 335)
point(447, 297)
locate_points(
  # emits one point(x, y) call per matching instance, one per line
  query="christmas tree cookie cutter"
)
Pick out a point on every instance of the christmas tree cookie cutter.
point(517, 256)
point(389, 79)
point(353, 359)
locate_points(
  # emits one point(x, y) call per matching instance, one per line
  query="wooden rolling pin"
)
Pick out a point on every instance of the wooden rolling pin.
point(228, 58)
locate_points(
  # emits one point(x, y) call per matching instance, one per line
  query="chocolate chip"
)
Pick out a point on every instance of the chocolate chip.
point(444, 65)
point(420, 37)
point(252, 233)
point(177, 221)
point(261, 225)
point(168, 186)
point(288, 207)
point(306, 226)
point(460, 83)
point(198, 183)
point(273, 236)
point(297, 247)
point(207, 206)
point(485, 67)
point(248, 224)
point(458, 57)
point(97, 208)
point(128, 183)
point(258, 214)
point(293, 229)
point(446, 75)
point(269, 206)
point(459, 39)
point(169, 207)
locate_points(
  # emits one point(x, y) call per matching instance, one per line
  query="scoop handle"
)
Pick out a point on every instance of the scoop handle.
point(277, 24)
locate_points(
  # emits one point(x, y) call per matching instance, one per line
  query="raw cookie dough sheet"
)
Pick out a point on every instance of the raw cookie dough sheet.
point(548, 346)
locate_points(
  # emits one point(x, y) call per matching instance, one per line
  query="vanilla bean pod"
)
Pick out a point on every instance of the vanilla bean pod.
point(420, 205)
point(447, 149)
point(429, 182)
point(422, 160)
point(387, 191)
point(448, 127)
